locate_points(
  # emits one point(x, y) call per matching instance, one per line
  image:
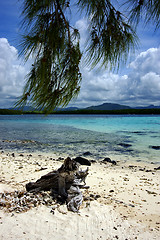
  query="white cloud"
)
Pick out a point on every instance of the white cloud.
point(82, 26)
point(12, 74)
point(147, 61)
point(144, 77)
point(140, 87)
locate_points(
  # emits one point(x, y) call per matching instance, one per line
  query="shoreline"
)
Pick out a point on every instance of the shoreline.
point(128, 206)
point(120, 158)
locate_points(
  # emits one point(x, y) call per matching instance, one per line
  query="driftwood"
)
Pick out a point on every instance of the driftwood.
point(64, 183)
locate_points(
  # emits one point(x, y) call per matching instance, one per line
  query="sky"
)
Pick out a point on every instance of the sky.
point(135, 84)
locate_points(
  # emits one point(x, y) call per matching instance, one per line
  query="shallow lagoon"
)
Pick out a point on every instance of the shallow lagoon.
point(124, 137)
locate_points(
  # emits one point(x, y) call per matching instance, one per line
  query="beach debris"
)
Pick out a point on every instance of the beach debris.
point(64, 184)
point(150, 192)
point(22, 201)
point(52, 189)
point(74, 199)
point(41, 169)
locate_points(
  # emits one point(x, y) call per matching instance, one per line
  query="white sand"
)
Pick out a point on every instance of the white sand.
point(128, 206)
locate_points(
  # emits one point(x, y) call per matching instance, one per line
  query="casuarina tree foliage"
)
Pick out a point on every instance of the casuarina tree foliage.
point(55, 78)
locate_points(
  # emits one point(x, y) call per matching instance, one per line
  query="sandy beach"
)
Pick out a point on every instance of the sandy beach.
point(123, 201)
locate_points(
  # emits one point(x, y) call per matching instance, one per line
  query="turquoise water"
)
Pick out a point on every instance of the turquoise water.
point(124, 136)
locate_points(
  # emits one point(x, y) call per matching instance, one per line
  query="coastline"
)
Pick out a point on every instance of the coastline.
point(127, 206)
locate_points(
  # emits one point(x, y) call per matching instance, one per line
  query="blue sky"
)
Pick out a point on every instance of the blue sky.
point(136, 84)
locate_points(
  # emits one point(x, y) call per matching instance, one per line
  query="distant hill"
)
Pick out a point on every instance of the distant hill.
point(31, 109)
point(102, 107)
point(108, 106)
point(148, 107)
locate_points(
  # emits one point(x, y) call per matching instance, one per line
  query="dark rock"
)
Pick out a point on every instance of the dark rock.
point(125, 145)
point(111, 191)
point(141, 169)
point(93, 161)
point(124, 150)
point(131, 166)
point(114, 228)
point(13, 155)
point(158, 168)
point(108, 160)
point(82, 161)
point(60, 158)
point(95, 196)
point(87, 153)
point(155, 147)
point(139, 133)
point(131, 205)
point(114, 162)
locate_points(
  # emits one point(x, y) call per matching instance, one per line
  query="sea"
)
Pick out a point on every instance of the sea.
point(123, 137)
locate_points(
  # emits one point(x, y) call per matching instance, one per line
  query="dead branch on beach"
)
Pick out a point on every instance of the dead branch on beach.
point(64, 184)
